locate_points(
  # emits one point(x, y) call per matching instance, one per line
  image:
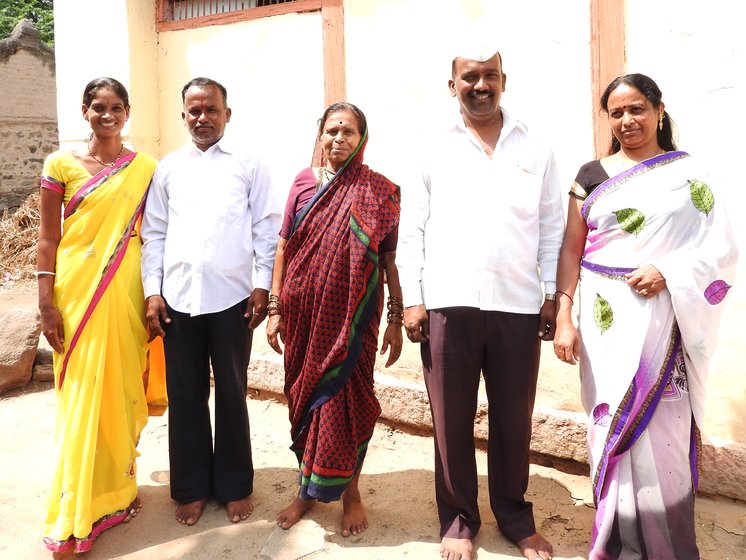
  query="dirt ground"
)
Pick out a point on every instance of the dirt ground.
point(397, 487)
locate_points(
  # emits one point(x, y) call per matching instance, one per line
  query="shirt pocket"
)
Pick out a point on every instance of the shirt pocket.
point(520, 193)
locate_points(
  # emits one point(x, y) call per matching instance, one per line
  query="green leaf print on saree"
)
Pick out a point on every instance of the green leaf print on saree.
point(630, 220)
point(602, 314)
point(702, 196)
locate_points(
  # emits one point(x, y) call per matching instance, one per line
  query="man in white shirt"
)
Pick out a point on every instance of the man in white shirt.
point(209, 217)
point(478, 236)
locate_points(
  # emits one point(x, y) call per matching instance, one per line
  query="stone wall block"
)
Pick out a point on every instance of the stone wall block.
point(43, 368)
point(555, 433)
point(28, 113)
point(723, 470)
point(19, 337)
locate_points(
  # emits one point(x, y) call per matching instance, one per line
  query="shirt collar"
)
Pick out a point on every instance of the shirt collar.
point(509, 124)
point(224, 145)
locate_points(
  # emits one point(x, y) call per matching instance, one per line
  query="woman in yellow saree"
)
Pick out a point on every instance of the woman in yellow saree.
point(92, 313)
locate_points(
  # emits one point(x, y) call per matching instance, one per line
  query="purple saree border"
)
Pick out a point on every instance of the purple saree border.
point(625, 432)
point(615, 271)
point(642, 167)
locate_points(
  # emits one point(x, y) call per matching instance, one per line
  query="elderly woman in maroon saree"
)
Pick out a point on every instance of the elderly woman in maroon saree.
point(338, 237)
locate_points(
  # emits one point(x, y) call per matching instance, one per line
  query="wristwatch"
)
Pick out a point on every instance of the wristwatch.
point(550, 297)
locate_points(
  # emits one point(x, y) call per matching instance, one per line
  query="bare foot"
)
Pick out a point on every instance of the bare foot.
point(536, 547)
point(132, 510)
point(354, 520)
point(189, 514)
point(239, 510)
point(291, 514)
point(456, 549)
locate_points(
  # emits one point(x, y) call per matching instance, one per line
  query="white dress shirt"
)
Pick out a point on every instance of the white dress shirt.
point(478, 231)
point(208, 217)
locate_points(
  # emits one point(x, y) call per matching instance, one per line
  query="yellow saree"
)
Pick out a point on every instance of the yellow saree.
point(99, 377)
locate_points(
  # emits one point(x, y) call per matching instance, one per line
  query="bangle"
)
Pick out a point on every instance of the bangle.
point(44, 273)
point(395, 307)
point(561, 293)
point(274, 307)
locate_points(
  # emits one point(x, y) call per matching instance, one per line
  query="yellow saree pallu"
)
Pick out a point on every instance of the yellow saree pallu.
point(99, 377)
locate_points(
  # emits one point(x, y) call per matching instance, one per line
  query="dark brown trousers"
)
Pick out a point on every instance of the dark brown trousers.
point(465, 343)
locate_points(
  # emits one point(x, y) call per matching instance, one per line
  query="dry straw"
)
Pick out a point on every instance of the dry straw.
point(19, 234)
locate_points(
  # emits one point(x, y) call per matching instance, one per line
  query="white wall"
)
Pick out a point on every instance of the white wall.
point(91, 40)
point(399, 57)
point(696, 52)
point(273, 71)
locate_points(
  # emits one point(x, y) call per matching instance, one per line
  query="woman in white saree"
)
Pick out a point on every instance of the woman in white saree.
point(650, 243)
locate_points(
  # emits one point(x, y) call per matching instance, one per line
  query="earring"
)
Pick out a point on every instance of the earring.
point(660, 122)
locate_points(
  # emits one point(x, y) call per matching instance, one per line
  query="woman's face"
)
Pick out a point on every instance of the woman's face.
point(339, 137)
point(106, 114)
point(633, 119)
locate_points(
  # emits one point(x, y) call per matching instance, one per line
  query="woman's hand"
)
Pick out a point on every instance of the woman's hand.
point(51, 326)
point(566, 341)
point(392, 338)
point(275, 326)
point(647, 281)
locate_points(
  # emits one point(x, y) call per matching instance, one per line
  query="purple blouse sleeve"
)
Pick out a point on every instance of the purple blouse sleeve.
point(302, 190)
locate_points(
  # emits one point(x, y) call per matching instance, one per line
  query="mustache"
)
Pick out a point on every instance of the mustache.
point(481, 92)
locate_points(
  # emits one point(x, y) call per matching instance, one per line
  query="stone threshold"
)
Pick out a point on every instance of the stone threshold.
point(558, 440)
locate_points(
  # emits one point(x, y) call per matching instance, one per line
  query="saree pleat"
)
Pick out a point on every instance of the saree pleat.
point(332, 301)
point(101, 399)
point(642, 370)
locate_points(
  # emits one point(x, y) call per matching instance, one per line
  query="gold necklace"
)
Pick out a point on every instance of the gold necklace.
point(325, 175)
point(90, 153)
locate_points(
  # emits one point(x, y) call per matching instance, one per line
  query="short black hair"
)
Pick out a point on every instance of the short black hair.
point(94, 86)
point(203, 82)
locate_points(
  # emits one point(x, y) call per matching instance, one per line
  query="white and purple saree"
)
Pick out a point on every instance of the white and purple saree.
point(644, 362)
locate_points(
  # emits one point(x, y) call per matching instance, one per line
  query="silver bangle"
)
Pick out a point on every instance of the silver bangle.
point(44, 273)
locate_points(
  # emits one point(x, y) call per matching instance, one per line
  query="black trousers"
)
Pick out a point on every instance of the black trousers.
point(191, 344)
point(464, 343)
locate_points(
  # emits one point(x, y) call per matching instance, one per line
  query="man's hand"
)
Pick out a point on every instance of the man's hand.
point(156, 316)
point(547, 320)
point(416, 323)
point(256, 308)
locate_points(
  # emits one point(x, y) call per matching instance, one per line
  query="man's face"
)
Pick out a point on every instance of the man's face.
point(205, 115)
point(478, 86)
